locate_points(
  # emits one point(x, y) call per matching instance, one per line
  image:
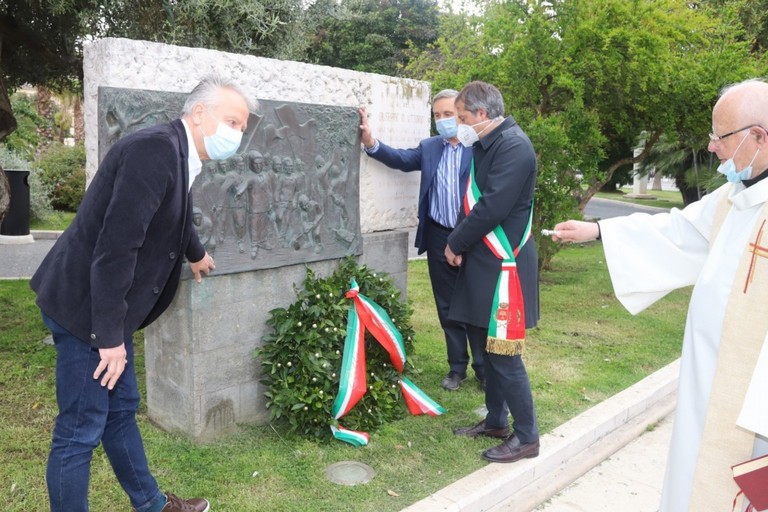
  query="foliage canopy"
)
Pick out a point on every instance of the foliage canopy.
point(584, 79)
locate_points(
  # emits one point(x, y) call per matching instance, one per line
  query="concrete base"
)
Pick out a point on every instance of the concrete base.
point(15, 240)
point(202, 378)
point(568, 452)
point(641, 196)
point(46, 235)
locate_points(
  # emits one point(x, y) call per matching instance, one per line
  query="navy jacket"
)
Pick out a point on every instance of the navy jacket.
point(505, 172)
point(117, 266)
point(426, 158)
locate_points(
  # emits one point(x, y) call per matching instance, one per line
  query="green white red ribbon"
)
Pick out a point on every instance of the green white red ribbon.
point(506, 325)
point(366, 314)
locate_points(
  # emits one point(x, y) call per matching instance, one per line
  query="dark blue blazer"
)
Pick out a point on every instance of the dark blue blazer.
point(425, 157)
point(117, 266)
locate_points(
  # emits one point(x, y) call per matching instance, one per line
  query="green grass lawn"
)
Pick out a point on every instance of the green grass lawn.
point(663, 198)
point(58, 221)
point(586, 348)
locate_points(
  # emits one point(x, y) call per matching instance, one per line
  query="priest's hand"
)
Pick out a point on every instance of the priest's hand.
point(576, 231)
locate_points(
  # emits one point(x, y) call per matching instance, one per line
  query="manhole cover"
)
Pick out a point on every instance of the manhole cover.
point(349, 473)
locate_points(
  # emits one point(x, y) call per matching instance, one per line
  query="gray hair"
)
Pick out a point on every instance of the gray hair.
point(445, 93)
point(207, 93)
point(476, 95)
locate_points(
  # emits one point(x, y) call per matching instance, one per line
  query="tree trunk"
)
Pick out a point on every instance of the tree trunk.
point(7, 126)
point(7, 120)
point(44, 106)
point(5, 195)
point(690, 194)
point(656, 181)
point(79, 120)
point(598, 185)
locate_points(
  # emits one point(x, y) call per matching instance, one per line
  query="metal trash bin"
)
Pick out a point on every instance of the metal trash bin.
point(16, 221)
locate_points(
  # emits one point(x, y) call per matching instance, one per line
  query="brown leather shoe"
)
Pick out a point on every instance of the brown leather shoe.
point(176, 504)
point(511, 450)
point(481, 430)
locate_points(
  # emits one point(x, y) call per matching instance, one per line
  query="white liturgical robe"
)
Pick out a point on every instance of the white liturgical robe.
point(649, 256)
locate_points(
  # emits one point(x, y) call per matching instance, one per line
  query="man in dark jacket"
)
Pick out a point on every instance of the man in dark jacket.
point(114, 271)
point(497, 291)
point(444, 166)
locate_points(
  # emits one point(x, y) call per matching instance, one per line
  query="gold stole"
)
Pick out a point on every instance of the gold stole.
point(723, 443)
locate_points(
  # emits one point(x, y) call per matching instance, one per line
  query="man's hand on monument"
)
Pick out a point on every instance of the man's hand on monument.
point(365, 130)
point(204, 266)
point(112, 364)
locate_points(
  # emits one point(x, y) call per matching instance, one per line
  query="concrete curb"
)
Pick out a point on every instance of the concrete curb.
point(568, 452)
point(16, 239)
point(45, 235)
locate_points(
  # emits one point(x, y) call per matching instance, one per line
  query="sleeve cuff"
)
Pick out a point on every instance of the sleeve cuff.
point(373, 148)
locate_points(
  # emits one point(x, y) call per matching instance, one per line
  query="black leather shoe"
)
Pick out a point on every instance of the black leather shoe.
point(453, 380)
point(511, 450)
point(481, 430)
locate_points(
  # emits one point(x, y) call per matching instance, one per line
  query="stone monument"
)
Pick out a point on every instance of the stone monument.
point(298, 194)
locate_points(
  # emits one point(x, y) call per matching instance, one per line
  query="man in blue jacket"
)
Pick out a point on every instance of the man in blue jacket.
point(114, 271)
point(444, 165)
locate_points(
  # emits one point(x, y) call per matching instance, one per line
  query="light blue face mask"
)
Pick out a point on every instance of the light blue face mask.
point(222, 144)
point(728, 168)
point(447, 127)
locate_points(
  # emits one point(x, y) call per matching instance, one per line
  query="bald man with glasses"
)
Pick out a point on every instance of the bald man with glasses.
point(720, 246)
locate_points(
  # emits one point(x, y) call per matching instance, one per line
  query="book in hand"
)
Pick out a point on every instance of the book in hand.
point(752, 478)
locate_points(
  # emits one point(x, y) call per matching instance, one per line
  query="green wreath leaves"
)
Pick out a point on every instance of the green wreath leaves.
point(301, 356)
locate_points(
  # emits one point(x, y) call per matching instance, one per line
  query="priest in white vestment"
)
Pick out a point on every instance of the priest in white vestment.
point(720, 245)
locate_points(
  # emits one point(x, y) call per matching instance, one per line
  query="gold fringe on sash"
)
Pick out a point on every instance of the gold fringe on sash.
point(503, 347)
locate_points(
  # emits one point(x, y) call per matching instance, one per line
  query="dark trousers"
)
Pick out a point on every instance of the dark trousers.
point(90, 414)
point(508, 391)
point(443, 278)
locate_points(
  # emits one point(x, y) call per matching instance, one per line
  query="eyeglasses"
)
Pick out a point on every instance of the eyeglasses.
point(718, 138)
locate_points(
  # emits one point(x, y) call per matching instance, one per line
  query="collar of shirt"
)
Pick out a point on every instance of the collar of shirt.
point(748, 183)
point(455, 147)
point(195, 164)
point(494, 134)
point(742, 197)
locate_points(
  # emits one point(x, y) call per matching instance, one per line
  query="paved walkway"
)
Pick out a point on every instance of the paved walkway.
point(19, 261)
point(630, 480)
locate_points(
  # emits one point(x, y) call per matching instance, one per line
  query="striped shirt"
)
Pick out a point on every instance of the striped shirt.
point(445, 192)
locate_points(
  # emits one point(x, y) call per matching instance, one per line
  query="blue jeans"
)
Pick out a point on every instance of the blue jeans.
point(90, 414)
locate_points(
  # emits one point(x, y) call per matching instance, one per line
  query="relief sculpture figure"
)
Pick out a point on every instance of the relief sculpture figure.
point(259, 192)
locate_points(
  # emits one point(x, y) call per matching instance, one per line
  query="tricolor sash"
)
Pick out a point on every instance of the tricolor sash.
point(506, 327)
point(366, 314)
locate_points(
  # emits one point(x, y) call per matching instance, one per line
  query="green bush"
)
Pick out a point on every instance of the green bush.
point(301, 357)
point(64, 171)
point(25, 140)
point(40, 208)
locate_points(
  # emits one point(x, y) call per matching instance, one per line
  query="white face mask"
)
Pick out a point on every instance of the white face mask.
point(223, 143)
point(728, 168)
point(467, 135)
